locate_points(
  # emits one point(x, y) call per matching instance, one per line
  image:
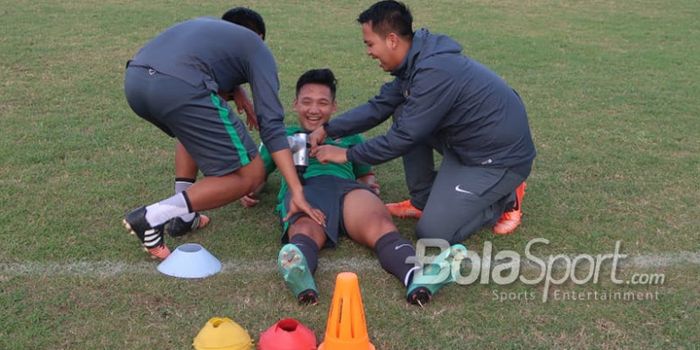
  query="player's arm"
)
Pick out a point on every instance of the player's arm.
point(433, 94)
point(262, 72)
point(363, 117)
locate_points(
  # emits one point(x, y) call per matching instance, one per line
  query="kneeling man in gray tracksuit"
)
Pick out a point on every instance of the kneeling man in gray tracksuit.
point(441, 100)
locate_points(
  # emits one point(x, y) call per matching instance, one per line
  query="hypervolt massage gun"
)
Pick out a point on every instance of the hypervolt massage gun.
point(300, 152)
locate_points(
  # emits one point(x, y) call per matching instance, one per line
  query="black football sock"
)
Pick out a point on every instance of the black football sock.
point(309, 248)
point(392, 251)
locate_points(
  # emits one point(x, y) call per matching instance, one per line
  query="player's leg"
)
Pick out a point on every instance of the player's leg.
point(464, 199)
point(142, 87)
point(419, 172)
point(367, 222)
point(513, 215)
point(231, 167)
point(185, 176)
point(216, 140)
point(298, 259)
point(309, 237)
point(185, 165)
point(148, 222)
point(217, 190)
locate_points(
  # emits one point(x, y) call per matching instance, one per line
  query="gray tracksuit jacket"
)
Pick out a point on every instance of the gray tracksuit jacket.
point(442, 98)
point(221, 55)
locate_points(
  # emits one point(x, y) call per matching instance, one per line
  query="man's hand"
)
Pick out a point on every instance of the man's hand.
point(298, 203)
point(244, 105)
point(250, 200)
point(329, 153)
point(317, 137)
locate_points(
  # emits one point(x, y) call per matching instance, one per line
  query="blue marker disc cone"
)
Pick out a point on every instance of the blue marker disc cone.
point(190, 260)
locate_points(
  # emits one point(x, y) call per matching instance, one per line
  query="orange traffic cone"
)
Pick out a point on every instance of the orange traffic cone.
point(346, 328)
point(287, 334)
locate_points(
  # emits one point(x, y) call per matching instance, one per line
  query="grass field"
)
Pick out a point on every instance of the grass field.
point(611, 92)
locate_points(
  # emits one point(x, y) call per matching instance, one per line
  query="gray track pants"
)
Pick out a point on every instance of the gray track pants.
point(457, 200)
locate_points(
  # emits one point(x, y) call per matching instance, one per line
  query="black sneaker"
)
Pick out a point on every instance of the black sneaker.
point(177, 227)
point(151, 237)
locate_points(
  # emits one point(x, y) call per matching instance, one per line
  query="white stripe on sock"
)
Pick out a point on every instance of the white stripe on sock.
point(408, 275)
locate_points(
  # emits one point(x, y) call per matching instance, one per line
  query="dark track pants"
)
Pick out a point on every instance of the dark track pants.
point(457, 200)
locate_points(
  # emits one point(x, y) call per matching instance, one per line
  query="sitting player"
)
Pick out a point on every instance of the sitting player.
point(347, 194)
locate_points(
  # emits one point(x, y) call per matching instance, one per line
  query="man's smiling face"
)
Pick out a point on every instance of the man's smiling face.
point(314, 105)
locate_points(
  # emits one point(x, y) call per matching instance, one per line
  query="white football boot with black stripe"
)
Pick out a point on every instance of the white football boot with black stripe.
point(151, 237)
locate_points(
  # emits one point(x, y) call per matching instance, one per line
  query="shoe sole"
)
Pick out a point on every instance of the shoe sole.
point(505, 233)
point(405, 216)
point(509, 232)
point(519, 199)
point(130, 231)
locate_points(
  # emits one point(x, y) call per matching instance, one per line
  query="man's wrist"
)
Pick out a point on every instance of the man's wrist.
point(325, 128)
point(296, 189)
point(347, 154)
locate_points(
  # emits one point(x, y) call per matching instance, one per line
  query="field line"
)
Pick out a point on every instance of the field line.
point(106, 268)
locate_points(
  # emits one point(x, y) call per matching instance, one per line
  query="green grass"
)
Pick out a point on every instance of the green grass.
point(611, 93)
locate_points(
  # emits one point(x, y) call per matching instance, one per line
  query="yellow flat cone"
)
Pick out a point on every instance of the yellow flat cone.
point(221, 333)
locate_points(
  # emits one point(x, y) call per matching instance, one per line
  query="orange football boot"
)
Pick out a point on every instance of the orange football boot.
point(511, 219)
point(404, 209)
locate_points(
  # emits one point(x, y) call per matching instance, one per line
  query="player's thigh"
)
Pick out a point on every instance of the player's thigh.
point(365, 217)
point(213, 135)
point(321, 193)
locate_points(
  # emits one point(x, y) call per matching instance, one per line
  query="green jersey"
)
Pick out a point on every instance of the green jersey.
point(347, 170)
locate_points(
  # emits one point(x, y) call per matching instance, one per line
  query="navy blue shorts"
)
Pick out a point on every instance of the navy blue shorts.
point(326, 193)
point(202, 121)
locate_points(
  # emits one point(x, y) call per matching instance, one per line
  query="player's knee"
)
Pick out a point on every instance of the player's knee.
point(256, 181)
point(252, 175)
point(428, 229)
point(384, 225)
point(308, 227)
point(318, 236)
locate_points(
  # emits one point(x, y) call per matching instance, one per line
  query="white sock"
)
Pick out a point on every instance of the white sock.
point(161, 212)
point(181, 185)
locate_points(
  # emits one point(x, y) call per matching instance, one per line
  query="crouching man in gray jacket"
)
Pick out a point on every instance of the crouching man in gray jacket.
point(177, 82)
point(441, 100)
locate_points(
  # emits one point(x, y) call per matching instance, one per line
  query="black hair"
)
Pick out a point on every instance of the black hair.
point(389, 16)
point(246, 17)
point(323, 76)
